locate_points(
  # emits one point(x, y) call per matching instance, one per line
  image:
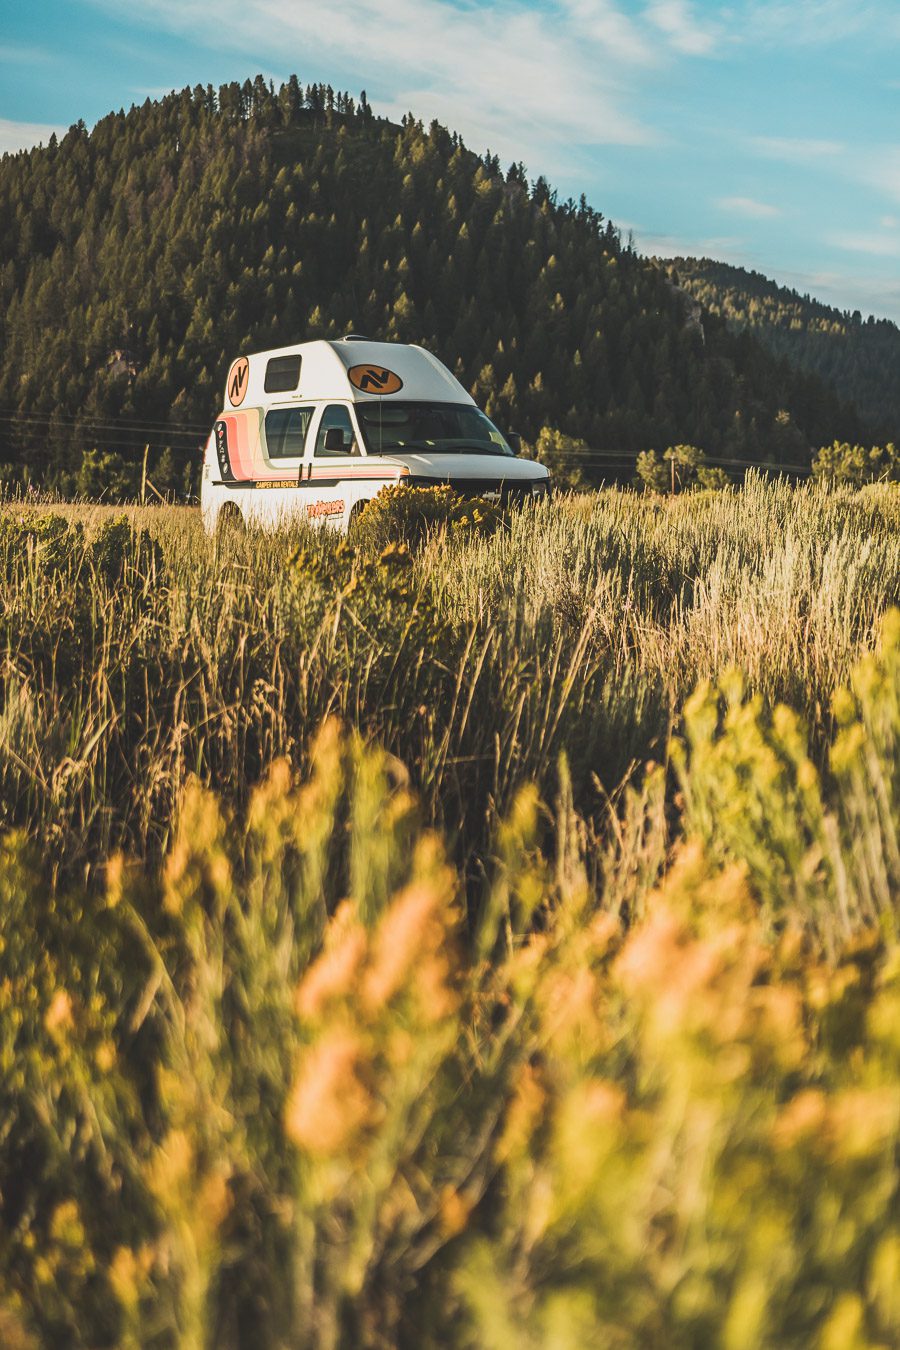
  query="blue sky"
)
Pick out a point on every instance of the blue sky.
point(760, 132)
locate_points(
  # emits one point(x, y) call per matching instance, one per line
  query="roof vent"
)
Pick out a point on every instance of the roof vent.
point(356, 337)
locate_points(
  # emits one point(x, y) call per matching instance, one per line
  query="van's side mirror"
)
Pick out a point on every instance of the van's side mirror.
point(334, 440)
point(514, 441)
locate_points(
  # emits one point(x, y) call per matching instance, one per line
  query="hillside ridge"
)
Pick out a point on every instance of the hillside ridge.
point(859, 357)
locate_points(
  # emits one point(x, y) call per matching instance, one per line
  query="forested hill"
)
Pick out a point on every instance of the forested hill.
point(138, 259)
point(859, 358)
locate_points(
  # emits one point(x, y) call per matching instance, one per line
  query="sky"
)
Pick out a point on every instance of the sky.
point(764, 133)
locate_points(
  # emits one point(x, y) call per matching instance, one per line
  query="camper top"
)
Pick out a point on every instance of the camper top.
point(351, 369)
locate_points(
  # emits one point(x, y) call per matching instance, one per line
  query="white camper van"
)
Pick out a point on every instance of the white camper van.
point(318, 429)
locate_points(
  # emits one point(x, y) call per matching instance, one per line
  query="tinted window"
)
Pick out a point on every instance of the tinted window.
point(337, 417)
point(282, 374)
point(286, 430)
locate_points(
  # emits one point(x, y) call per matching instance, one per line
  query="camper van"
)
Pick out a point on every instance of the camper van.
point(317, 429)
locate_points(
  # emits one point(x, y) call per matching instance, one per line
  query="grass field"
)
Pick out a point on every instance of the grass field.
point(489, 945)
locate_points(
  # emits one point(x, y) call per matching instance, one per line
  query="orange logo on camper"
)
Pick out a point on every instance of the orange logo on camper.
point(238, 379)
point(325, 508)
point(374, 380)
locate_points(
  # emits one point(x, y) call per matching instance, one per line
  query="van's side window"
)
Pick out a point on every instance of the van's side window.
point(342, 438)
point(282, 374)
point(286, 430)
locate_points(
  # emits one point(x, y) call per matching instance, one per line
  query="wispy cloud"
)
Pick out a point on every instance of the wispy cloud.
point(780, 24)
point(601, 22)
point(749, 207)
point(882, 244)
point(875, 167)
point(868, 293)
point(815, 23)
point(676, 19)
point(17, 54)
point(726, 248)
point(23, 135)
point(795, 150)
point(883, 171)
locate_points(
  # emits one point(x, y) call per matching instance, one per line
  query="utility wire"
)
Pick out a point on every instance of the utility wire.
point(156, 432)
point(599, 458)
point(100, 422)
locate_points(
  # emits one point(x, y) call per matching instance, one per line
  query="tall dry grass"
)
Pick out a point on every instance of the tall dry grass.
point(137, 651)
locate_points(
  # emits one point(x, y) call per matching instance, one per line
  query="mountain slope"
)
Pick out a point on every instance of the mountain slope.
point(136, 261)
point(859, 359)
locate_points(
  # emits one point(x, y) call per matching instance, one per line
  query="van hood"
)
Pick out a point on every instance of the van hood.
point(445, 468)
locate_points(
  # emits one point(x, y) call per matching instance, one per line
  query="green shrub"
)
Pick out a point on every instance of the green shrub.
point(103, 475)
point(820, 847)
point(406, 514)
point(854, 465)
point(41, 537)
point(119, 552)
point(567, 458)
point(650, 472)
point(681, 467)
point(713, 479)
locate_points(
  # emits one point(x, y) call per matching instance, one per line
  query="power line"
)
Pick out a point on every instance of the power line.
point(102, 423)
point(578, 455)
point(162, 432)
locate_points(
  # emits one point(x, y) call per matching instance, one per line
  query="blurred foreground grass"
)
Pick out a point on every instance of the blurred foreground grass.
point(378, 969)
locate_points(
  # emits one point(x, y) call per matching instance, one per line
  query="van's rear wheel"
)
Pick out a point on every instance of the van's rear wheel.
point(356, 511)
point(230, 520)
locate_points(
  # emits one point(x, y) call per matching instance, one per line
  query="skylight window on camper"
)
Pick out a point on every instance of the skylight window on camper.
point(282, 374)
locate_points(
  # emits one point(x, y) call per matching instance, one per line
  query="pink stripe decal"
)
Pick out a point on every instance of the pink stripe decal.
point(234, 455)
point(338, 472)
point(245, 453)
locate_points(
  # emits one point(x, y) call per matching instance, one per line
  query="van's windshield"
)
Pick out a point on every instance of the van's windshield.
point(439, 428)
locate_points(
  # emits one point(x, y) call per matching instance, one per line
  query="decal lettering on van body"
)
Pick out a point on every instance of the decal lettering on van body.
point(255, 483)
point(316, 509)
point(238, 380)
point(222, 455)
point(374, 380)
